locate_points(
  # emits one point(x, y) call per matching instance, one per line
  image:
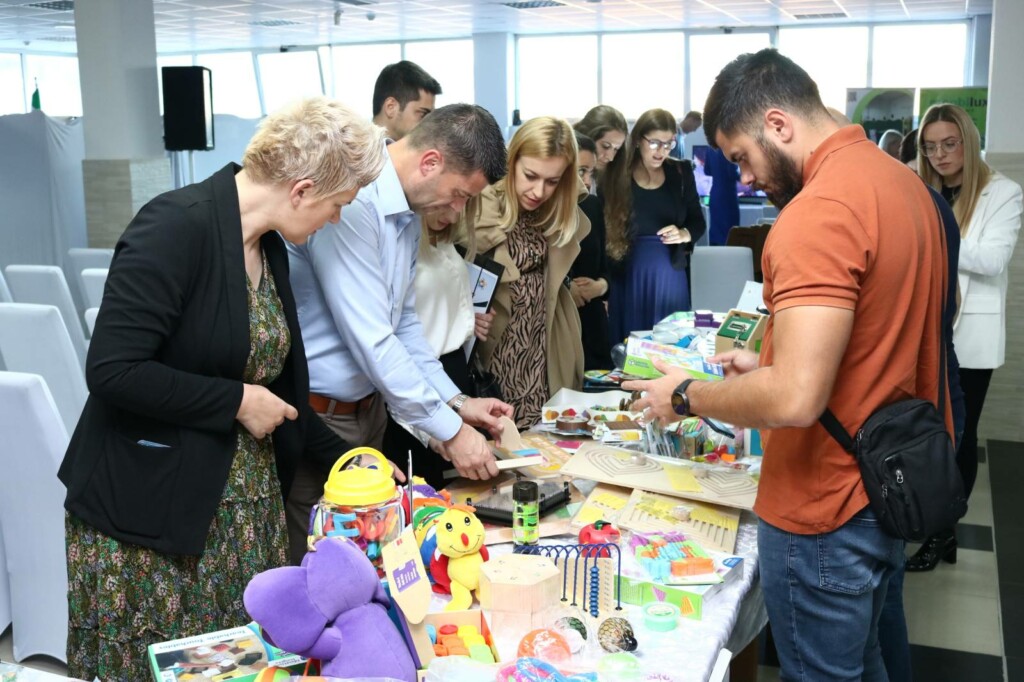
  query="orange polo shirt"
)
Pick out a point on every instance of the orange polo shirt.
point(863, 235)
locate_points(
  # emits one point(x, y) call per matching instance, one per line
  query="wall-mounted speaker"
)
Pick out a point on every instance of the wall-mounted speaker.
point(188, 108)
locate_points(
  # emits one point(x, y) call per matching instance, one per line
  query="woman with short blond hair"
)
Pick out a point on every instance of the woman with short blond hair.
point(198, 410)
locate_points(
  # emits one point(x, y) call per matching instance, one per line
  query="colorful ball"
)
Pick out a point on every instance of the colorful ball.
point(545, 644)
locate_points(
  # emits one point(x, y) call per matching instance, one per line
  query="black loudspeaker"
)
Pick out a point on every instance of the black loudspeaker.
point(188, 108)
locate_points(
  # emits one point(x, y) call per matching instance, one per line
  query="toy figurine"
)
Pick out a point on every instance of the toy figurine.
point(461, 550)
point(332, 608)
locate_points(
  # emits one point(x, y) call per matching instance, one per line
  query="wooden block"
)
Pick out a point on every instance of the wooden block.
point(519, 583)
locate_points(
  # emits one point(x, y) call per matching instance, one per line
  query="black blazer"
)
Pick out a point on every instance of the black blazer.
point(165, 365)
point(679, 176)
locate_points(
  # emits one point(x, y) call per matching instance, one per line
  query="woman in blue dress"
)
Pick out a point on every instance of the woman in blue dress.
point(652, 219)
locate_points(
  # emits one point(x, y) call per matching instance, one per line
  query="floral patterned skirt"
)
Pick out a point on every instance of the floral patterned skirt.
point(123, 597)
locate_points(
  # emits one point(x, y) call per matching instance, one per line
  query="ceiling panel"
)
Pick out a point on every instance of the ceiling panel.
point(187, 25)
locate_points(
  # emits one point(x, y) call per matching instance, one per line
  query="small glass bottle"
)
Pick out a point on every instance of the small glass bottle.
point(525, 512)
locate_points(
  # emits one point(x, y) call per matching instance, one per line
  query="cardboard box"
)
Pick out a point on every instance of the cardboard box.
point(740, 330)
point(419, 640)
point(691, 599)
point(238, 654)
point(640, 353)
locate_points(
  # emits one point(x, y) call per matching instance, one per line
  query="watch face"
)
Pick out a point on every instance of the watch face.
point(679, 404)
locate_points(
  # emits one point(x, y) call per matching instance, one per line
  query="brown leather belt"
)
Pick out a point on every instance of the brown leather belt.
point(330, 407)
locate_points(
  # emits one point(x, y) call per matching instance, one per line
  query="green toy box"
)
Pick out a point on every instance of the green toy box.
point(640, 354)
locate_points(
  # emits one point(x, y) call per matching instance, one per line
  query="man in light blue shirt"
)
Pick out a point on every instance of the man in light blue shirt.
point(353, 287)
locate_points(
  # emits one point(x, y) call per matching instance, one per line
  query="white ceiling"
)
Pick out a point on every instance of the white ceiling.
point(193, 25)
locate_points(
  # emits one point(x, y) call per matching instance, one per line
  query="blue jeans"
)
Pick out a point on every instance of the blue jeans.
point(892, 631)
point(824, 595)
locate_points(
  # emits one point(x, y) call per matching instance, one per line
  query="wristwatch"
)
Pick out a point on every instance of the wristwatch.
point(457, 402)
point(681, 401)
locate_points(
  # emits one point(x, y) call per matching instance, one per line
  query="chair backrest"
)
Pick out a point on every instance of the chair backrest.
point(33, 339)
point(93, 281)
point(5, 293)
point(32, 514)
point(717, 276)
point(753, 237)
point(5, 584)
point(90, 319)
point(79, 259)
point(45, 285)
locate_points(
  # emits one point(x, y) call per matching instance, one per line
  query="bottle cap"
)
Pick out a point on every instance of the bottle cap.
point(525, 491)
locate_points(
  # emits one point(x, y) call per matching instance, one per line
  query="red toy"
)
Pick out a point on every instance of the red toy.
point(599, 533)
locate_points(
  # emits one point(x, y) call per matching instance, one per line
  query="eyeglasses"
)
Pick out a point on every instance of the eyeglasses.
point(948, 145)
point(656, 145)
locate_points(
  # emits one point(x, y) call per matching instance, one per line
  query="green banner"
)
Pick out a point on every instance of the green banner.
point(973, 100)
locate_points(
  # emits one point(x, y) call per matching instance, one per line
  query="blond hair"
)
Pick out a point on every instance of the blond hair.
point(976, 172)
point(545, 137)
point(318, 139)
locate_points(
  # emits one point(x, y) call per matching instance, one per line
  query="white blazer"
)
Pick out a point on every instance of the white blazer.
point(979, 332)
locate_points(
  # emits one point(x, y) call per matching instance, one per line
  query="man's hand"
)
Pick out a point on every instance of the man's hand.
point(261, 411)
point(590, 288)
point(469, 452)
point(736, 362)
point(657, 403)
point(482, 327)
point(484, 412)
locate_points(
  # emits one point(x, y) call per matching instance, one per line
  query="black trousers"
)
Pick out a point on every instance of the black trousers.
point(398, 442)
point(974, 383)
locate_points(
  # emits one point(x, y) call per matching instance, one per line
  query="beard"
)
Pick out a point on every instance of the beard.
point(786, 179)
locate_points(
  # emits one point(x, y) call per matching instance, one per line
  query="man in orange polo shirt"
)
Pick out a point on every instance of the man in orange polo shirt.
point(855, 275)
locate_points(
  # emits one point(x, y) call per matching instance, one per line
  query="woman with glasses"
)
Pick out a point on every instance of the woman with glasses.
point(988, 208)
point(606, 126)
point(652, 219)
point(530, 223)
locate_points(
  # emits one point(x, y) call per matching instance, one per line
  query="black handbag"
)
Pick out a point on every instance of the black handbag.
point(908, 463)
point(485, 384)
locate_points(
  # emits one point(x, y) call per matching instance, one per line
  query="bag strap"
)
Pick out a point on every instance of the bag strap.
point(829, 420)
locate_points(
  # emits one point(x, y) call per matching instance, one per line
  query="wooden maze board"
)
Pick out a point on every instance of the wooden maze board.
point(713, 526)
point(616, 466)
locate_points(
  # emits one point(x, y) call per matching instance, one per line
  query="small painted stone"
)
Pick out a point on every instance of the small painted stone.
point(616, 634)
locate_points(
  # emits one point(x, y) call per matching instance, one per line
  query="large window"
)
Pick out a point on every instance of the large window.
point(12, 90)
point(60, 92)
point(556, 75)
point(356, 68)
point(451, 63)
point(633, 84)
point(287, 76)
point(710, 52)
point(234, 83)
point(919, 56)
point(843, 65)
point(172, 60)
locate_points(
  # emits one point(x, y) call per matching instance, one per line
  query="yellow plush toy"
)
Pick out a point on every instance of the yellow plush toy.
point(460, 552)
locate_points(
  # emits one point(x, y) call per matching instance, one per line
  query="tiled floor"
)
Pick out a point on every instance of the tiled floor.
point(966, 620)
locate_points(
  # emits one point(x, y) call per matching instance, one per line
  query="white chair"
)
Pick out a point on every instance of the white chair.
point(5, 584)
point(717, 276)
point(45, 284)
point(33, 339)
point(5, 293)
point(93, 281)
point(79, 259)
point(90, 319)
point(32, 515)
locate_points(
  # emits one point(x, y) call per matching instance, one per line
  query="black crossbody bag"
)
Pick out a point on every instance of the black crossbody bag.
point(908, 462)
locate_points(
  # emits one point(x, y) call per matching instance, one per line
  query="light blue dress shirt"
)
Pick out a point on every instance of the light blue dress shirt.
point(353, 284)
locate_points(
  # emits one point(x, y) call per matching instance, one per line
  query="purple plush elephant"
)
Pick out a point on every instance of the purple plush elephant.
point(332, 608)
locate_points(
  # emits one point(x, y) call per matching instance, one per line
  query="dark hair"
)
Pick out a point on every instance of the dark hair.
point(617, 185)
point(600, 120)
point(402, 80)
point(585, 143)
point(753, 83)
point(468, 137)
point(908, 147)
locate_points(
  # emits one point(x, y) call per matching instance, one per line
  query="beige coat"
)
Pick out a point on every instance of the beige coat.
point(564, 345)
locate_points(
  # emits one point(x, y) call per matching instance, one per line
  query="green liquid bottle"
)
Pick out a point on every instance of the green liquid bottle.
point(525, 512)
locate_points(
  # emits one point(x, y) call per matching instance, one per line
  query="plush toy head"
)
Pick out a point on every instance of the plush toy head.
point(332, 608)
point(459, 532)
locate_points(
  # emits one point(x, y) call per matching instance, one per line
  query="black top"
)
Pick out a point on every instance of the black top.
point(951, 230)
point(166, 363)
point(653, 209)
point(950, 194)
point(592, 262)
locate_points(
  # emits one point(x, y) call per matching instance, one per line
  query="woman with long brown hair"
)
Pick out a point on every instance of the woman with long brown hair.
point(652, 219)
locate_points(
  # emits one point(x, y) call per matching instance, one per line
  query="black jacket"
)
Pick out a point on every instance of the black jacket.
point(165, 365)
point(679, 177)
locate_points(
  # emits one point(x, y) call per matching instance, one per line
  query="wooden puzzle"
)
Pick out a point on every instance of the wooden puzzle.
point(713, 526)
point(715, 484)
point(605, 502)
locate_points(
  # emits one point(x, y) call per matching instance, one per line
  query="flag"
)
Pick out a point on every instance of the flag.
point(35, 97)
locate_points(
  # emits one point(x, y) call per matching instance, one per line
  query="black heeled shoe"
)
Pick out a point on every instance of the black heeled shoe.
point(937, 548)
